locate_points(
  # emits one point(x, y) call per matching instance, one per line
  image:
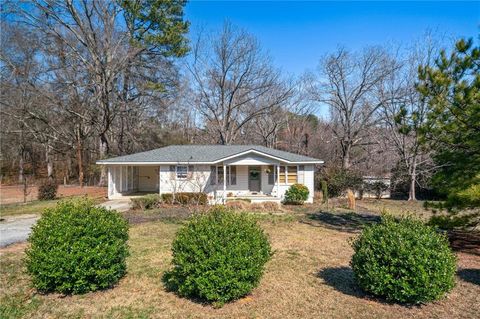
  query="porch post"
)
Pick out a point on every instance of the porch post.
point(121, 179)
point(159, 180)
point(109, 181)
point(277, 182)
point(224, 183)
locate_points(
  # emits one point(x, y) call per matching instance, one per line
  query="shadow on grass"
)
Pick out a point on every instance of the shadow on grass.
point(341, 278)
point(346, 222)
point(465, 241)
point(470, 275)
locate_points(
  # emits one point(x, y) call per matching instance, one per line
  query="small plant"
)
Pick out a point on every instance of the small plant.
point(324, 192)
point(218, 256)
point(77, 247)
point(296, 194)
point(48, 190)
point(146, 202)
point(403, 261)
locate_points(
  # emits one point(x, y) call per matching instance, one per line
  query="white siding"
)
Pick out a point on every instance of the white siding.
point(197, 181)
point(148, 179)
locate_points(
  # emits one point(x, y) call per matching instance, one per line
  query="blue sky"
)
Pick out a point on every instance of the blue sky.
point(297, 34)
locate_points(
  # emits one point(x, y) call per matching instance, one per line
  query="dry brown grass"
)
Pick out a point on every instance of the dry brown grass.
point(308, 277)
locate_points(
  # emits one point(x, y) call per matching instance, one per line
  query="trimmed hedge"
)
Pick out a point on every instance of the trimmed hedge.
point(146, 202)
point(296, 194)
point(218, 256)
point(185, 198)
point(77, 247)
point(48, 190)
point(404, 261)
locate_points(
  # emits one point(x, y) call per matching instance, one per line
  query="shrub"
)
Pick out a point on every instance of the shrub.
point(48, 190)
point(237, 204)
point(77, 247)
point(296, 194)
point(340, 180)
point(377, 188)
point(146, 202)
point(404, 261)
point(218, 256)
point(185, 198)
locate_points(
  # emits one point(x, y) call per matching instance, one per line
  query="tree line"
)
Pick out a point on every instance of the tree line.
point(83, 80)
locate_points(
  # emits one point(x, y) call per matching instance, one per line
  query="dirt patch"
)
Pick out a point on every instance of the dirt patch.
point(15, 248)
point(14, 194)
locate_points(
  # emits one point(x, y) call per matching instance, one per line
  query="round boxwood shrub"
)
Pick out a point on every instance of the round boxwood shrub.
point(218, 256)
point(77, 247)
point(47, 190)
point(296, 194)
point(403, 260)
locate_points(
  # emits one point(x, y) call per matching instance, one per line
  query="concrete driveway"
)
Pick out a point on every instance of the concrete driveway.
point(120, 205)
point(16, 229)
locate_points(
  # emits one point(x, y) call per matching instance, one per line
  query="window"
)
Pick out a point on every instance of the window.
point(271, 175)
point(182, 172)
point(292, 174)
point(220, 175)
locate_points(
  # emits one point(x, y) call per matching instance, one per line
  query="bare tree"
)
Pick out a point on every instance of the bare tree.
point(404, 113)
point(235, 83)
point(348, 84)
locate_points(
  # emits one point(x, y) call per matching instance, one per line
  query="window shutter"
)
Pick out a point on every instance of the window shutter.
point(172, 172)
point(213, 175)
point(233, 175)
point(190, 171)
point(271, 175)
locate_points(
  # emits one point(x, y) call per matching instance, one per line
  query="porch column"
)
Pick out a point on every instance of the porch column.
point(121, 179)
point(160, 180)
point(277, 181)
point(109, 181)
point(224, 183)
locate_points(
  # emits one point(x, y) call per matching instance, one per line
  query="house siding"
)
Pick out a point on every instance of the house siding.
point(199, 180)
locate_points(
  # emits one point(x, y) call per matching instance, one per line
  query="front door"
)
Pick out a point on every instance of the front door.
point(254, 178)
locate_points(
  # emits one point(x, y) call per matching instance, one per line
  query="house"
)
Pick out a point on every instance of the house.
point(221, 171)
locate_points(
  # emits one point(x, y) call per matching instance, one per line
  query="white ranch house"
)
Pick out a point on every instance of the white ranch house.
point(223, 172)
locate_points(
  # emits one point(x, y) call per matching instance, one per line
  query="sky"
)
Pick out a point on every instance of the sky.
point(298, 33)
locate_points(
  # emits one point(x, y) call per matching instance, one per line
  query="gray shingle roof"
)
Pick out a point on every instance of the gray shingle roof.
point(203, 154)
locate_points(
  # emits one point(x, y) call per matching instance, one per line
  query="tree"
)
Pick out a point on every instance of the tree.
point(404, 113)
point(348, 85)
point(451, 90)
point(234, 83)
point(114, 43)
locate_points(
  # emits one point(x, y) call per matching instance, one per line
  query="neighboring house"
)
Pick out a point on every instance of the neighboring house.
point(221, 171)
point(372, 180)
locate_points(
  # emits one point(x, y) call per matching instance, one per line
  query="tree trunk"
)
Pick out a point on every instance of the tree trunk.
point(103, 154)
point(80, 158)
point(48, 159)
point(346, 147)
point(413, 179)
point(21, 170)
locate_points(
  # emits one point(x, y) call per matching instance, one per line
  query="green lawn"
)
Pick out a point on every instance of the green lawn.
point(308, 277)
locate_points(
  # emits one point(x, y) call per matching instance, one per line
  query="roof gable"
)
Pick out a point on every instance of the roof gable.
point(205, 154)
